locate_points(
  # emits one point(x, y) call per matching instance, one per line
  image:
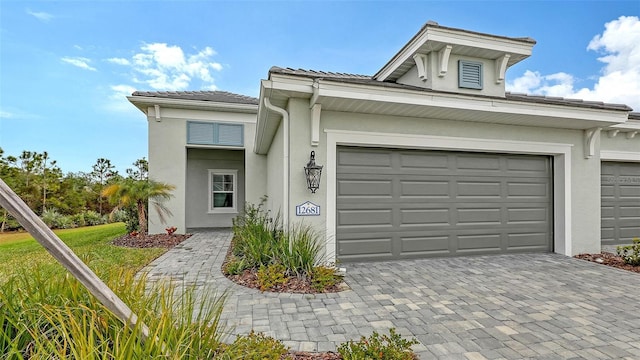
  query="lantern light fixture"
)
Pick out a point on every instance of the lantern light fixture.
point(313, 173)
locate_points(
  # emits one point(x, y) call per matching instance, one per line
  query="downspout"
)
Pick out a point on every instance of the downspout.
point(285, 181)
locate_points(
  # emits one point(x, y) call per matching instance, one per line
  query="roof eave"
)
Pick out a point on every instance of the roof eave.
point(144, 102)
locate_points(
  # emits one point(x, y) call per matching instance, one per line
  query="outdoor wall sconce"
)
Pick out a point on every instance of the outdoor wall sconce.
point(313, 173)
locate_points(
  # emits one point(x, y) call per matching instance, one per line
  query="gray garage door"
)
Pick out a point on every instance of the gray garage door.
point(620, 205)
point(396, 204)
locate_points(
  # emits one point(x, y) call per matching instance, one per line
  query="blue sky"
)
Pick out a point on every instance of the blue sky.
point(66, 66)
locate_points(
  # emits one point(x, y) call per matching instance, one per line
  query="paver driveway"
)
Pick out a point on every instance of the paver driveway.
point(543, 306)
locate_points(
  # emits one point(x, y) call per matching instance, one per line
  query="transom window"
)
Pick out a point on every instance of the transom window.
point(223, 190)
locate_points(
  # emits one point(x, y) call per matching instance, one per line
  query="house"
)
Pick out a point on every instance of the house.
point(430, 156)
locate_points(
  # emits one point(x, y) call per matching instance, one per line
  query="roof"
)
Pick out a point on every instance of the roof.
point(213, 96)
point(447, 40)
point(368, 80)
point(634, 115)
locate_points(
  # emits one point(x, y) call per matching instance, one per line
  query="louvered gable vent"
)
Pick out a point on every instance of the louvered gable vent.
point(470, 74)
point(204, 133)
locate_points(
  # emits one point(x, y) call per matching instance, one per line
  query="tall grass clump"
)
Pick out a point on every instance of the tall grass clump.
point(262, 244)
point(256, 234)
point(56, 318)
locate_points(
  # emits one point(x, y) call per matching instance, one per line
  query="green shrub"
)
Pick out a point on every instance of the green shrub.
point(55, 220)
point(324, 277)
point(271, 276)
point(92, 218)
point(118, 215)
point(254, 347)
point(235, 266)
point(391, 347)
point(630, 253)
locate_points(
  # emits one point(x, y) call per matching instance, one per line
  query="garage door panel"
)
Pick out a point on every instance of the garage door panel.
point(630, 212)
point(478, 189)
point(424, 189)
point(529, 215)
point(364, 187)
point(530, 240)
point(630, 192)
point(375, 218)
point(416, 160)
point(607, 192)
point(627, 233)
point(528, 189)
point(361, 159)
point(369, 247)
point(425, 245)
point(424, 217)
point(491, 242)
point(607, 213)
point(480, 216)
point(527, 166)
point(478, 162)
point(437, 203)
point(620, 202)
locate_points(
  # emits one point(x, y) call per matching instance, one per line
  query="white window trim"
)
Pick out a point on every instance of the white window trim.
point(231, 210)
point(561, 153)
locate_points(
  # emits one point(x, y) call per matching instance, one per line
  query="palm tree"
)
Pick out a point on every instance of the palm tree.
point(130, 192)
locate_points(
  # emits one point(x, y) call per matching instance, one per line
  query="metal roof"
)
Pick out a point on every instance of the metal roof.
point(214, 96)
point(368, 80)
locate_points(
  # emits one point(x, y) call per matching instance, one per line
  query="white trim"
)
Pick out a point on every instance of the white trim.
point(231, 210)
point(611, 155)
point(561, 166)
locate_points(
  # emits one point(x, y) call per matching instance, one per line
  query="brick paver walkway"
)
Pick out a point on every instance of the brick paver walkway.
point(539, 306)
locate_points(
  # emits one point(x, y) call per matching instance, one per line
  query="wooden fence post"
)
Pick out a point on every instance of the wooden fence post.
point(61, 252)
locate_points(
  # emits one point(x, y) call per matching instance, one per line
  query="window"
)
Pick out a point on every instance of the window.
point(223, 190)
point(470, 74)
point(213, 133)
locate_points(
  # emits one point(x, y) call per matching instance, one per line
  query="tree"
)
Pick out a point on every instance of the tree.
point(137, 193)
point(141, 170)
point(102, 171)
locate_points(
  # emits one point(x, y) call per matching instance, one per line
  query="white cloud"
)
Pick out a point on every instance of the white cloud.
point(119, 61)
point(40, 15)
point(167, 67)
point(619, 79)
point(118, 99)
point(80, 62)
point(6, 115)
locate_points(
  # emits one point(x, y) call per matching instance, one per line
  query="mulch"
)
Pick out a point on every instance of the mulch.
point(150, 241)
point(608, 259)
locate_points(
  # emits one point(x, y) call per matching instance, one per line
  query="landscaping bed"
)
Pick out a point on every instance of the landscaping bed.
point(609, 259)
point(150, 240)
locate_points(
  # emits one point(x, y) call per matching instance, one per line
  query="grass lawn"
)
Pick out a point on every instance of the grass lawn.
point(19, 251)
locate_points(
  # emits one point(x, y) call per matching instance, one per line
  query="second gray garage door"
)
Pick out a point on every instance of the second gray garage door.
point(620, 202)
point(395, 204)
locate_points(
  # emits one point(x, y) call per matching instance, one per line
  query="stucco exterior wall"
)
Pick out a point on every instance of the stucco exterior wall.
point(301, 142)
point(275, 175)
point(255, 170)
point(168, 160)
point(199, 162)
point(583, 174)
point(167, 163)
